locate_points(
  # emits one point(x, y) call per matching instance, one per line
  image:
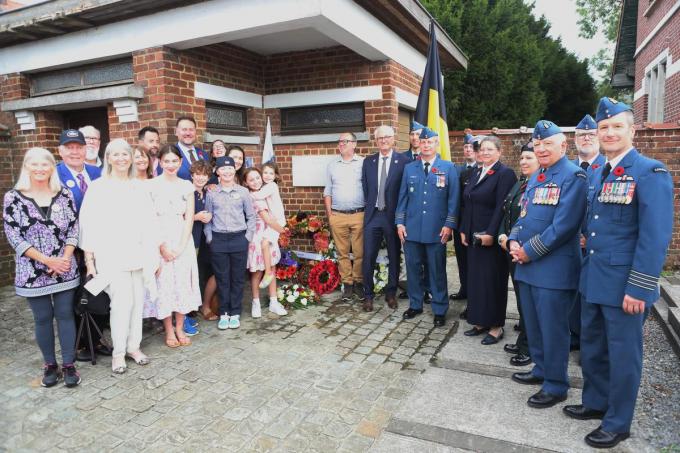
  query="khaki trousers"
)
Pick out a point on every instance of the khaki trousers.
point(348, 234)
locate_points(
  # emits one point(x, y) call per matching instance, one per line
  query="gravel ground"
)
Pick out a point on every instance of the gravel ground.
point(658, 404)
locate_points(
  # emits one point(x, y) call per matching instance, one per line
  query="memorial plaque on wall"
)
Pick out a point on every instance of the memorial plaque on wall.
point(310, 171)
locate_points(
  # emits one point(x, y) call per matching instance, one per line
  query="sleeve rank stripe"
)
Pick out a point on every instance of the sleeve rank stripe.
point(642, 276)
point(646, 286)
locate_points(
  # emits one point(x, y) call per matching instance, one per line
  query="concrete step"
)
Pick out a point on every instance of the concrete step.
point(667, 311)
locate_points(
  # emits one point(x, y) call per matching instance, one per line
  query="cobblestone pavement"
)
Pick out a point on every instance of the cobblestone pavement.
point(323, 379)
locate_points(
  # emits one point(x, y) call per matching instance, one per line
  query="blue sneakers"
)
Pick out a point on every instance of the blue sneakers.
point(190, 326)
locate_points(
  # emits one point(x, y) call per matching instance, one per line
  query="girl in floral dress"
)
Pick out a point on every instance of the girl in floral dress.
point(263, 259)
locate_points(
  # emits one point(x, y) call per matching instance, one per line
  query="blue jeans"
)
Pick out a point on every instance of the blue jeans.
point(45, 309)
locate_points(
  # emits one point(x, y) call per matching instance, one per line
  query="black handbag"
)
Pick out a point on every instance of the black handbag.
point(87, 302)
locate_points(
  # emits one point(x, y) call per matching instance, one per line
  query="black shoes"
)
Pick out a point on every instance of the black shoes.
point(50, 375)
point(347, 292)
point(83, 354)
point(71, 376)
point(526, 378)
point(520, 360)
point(542, 400)
point(490, 339)
point(580, 412)
point(411, 313)
point(604, 439)
point(359, 291)
point(427, 298)
point(403, 295)
point(474, 332)
point(516, 328)
point(511, 348)
point(458, 296)
point(439, 320)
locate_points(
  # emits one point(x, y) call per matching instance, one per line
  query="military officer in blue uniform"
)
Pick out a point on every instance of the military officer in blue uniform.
point(414, 140)
point(545, 245)
point(589, 159)
point(427, 213)
point(628, 229)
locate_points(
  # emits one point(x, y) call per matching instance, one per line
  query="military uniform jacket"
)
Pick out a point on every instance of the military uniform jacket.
point(599, 161)
point(628, 229)
point(512, 206)
point(553, 208)
point(426, 204)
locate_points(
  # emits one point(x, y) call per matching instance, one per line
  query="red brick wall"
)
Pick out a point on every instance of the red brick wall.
point(661, 144)
point(665, 38)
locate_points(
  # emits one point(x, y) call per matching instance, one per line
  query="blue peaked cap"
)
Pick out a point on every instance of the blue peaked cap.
point(587, 123)
point(545, 129)
point(467, 139)
point(428, 133)
point(609, 107)
point(416, 126)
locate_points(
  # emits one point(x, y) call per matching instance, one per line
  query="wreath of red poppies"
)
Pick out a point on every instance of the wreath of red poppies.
point(324, 277)
point(618, 171)
point(540, 177)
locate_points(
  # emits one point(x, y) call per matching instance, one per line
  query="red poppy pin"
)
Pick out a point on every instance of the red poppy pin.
point(418, 157)
point(490, 172)
point(434, 170)
point(595, 166)
point(540, 177)
point(618, 171)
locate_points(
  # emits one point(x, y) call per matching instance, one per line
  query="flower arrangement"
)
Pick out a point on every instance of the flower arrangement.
point(324, 277)
point(287, 266)
point(303, 224)
point(380, 277)
point(292, 295)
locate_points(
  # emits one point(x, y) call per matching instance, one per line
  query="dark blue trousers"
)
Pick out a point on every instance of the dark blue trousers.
point(229, 256)
point(377, 229)
point(575, 321)
point(611, 359)
point(546, 318)
point(461, 260)
point(433, 257)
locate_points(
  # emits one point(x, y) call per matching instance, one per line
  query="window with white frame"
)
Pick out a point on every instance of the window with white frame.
point(656, 83)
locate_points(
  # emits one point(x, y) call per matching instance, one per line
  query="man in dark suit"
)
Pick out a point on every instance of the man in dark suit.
point(381, 177)
point(76, 175)
point(465, 169)
point(185, 131)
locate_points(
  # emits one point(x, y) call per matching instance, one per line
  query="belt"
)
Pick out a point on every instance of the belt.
point(229, 233)
point(348, 211)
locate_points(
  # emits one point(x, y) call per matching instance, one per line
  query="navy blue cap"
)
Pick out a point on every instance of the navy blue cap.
point(609, 107)
point(416, 126)
point(545, 129)
point(467, 139)
point(224, 161)
point(428, 133)
point(587, 124)
point(71, 136)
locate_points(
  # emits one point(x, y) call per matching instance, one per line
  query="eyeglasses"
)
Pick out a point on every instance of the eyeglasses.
point(92, 138)
point(384, 137)
point(345, 141)
point(590, 135)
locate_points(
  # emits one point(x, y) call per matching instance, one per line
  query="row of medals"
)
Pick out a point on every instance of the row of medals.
point(617, 192)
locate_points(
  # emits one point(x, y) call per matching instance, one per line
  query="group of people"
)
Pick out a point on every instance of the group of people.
point(164, 230)
point(583, 241)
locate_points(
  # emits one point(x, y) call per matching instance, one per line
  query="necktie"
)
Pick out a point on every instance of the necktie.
point(192, 159)
point(427, 168)
point(381, 184)
point(585, 165)
point(606, 170)
point(82, 185)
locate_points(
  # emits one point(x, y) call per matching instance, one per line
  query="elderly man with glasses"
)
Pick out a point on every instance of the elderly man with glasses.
point(343, 198)
point(93, 142)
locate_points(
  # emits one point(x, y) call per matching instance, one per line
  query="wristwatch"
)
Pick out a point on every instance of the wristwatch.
point(501, 237)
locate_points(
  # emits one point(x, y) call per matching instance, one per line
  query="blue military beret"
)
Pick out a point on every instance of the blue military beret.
point(428, 133)
point(416, 126)
point(587, 123)
point(609, 107)
point(467, 139)
point(545, 129)
point(224, 161)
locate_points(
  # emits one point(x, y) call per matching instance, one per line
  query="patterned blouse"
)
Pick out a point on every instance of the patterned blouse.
point(26, 226)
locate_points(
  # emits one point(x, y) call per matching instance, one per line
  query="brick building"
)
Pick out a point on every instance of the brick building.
point(647, 59)
point(313, 67)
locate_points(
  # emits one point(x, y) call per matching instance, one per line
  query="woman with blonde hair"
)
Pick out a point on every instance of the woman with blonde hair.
point(118, 236)
point(41, 226)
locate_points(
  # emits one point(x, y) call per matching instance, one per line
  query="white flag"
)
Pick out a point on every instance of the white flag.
point(268, 149)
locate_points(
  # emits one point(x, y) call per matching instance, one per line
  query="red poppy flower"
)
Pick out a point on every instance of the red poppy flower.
point(618, 171)
point(434, 170)
point(540, 177)
point(595, 166)
point(418, 157)
point(490, 172)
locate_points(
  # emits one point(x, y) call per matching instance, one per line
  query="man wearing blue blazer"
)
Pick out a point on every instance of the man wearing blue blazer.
point(185, 131)
point(628, 229)
point(427, 213)
point(589, 159)
point(73, 172)
point(545, 245)
point(381, 177)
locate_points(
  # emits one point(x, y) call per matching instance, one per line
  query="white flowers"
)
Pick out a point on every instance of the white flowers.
point(303, 301)
point(291, 298)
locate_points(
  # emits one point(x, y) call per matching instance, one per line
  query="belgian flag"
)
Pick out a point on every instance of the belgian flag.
point(431, 109)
